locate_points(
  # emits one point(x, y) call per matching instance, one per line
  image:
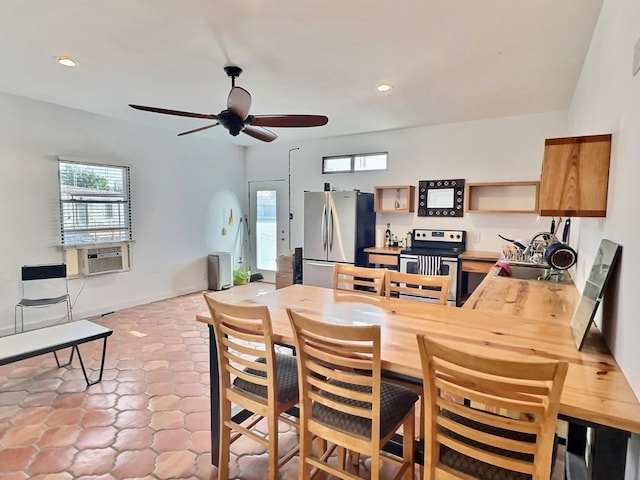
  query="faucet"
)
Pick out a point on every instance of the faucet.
point(552, 275)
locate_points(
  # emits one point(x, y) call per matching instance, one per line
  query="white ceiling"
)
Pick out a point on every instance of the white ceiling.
point(450, 60)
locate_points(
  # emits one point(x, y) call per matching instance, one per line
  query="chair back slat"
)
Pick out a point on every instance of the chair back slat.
point(514, 385)
point(484, 456)
point(498, 421)
point(532, 406)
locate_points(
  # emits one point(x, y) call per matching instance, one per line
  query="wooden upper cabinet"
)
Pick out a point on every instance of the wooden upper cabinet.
point(575, 176)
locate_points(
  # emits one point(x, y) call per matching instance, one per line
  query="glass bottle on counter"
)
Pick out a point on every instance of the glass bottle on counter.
point(387, 236)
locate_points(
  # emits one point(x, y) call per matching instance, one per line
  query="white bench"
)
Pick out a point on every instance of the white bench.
point(51, 339)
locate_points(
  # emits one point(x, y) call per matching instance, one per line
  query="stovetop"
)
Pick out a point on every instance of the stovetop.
point(437, 242)
point(449, 252)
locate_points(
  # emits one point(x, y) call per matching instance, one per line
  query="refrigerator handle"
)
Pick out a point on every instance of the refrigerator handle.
point(330, 228)
point(323, 227)
point(321, 264)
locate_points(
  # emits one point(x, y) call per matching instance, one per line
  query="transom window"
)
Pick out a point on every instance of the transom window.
point(95, 203)
point(355, 163)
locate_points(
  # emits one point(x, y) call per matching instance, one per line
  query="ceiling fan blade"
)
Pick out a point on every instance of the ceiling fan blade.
point(239, 102)
point(288, 120)
point(260, 133)
point(197, 129)
point(179, 113)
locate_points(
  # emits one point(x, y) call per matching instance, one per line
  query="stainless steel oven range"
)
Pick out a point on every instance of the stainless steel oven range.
point(435, 252)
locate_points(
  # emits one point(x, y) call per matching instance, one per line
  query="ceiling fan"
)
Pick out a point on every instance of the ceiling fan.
point(236, 117)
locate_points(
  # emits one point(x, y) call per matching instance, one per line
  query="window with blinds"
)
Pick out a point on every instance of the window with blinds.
point(95, 204)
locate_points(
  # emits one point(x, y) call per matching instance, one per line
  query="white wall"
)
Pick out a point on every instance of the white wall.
point(607, 100)
point(503, 149)
point(178, 187)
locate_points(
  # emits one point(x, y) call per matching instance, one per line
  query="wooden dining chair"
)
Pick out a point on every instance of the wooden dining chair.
point(359, 279)
point(465, 438)
point(253, 376)
point(433, 287)
point(343, 400)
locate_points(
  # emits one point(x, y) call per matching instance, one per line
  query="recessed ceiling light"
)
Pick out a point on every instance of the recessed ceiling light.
point(67, 61)
point(384, 87)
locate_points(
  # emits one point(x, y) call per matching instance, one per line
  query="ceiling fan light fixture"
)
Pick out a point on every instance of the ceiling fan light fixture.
point(236, 119)
point(384, 87)
point(66, 61)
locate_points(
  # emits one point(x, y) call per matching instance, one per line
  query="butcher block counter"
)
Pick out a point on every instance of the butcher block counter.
point(525, 298)
point(607, 403)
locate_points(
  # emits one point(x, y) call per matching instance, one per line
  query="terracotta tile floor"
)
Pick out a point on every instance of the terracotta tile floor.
point(147, 419)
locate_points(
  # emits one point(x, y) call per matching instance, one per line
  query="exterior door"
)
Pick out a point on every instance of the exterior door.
point(269, 222)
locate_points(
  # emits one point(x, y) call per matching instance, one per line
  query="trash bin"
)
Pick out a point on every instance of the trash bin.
point(219, 271)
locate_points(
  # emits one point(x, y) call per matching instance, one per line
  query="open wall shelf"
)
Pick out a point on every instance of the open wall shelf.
point(395, 198)
point(502, 197)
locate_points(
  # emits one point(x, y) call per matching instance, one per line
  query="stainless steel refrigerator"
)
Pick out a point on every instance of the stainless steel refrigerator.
point(338, 226)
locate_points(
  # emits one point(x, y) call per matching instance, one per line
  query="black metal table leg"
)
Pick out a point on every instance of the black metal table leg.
point(84, 370)
point(607, 455)
point(73, 350)
point(76, 349)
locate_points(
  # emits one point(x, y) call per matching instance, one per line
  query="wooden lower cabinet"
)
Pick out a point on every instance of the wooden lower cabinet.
point(383, 257)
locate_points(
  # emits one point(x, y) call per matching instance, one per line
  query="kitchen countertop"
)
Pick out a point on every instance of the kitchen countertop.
point(384, 250)
point(525, 298)
point(554, 304)
point(479, 256)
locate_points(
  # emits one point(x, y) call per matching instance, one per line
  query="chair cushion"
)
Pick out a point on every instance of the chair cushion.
point(41, 302)
point(395, 403)
point(477, 468)
point(287, 379)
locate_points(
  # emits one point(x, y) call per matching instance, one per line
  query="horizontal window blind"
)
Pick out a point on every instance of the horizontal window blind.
point(95, 205)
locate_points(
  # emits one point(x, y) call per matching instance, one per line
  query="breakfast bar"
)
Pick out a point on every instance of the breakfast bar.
point(556, 302)
point(533, 322)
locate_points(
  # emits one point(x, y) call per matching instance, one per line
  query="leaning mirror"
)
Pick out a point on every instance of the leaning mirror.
point(593, 290)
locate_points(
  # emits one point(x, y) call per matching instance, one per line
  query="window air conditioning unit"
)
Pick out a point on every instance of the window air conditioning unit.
point(103, 260)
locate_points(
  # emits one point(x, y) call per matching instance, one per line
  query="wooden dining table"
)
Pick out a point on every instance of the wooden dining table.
point(596, 393)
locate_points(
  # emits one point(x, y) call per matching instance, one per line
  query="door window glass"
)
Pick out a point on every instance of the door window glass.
point(266, 230)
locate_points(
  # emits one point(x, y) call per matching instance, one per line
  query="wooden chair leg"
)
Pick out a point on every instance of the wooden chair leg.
point(306, 447)
point(341, 461)
point(408, 445)
point(375, 465)
point(225, 440)
point(273, 447)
